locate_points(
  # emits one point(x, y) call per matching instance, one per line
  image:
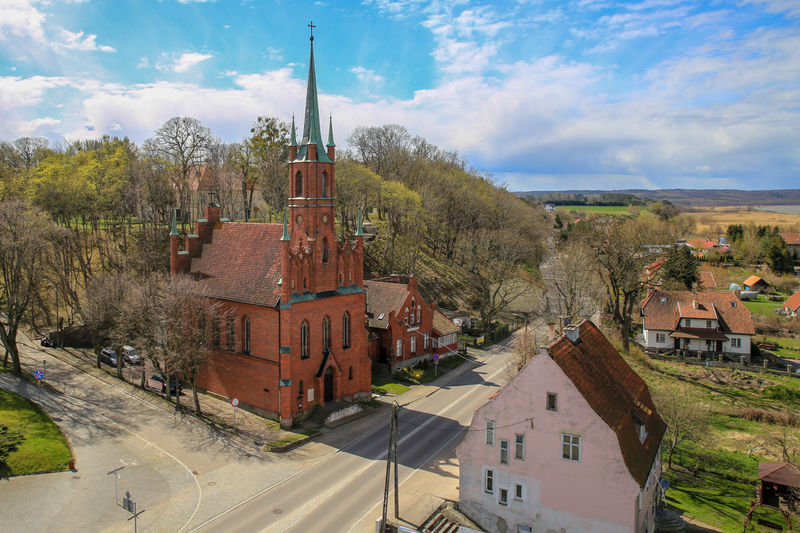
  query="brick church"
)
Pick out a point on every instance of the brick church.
point(289, 332)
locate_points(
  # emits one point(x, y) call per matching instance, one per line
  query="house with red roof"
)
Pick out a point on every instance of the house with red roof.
point(289, 332)
point(792, 240)
point(711, 322)
point(571, 443)
point(404, 329)
point(755, 283)
point(792, 305)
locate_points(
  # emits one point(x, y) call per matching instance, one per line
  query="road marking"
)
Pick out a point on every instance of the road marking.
point(414, 471)
point(295, 517)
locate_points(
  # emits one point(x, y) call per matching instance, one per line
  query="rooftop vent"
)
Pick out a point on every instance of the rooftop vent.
point(380, 316)
point(733, 303)
point(663, 299)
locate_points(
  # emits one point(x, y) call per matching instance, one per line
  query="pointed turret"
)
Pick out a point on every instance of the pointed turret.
point(311, 147)
point(285, 236)
point(331, 145)
point(359, 225)
point(293, 142)
point(174, 228)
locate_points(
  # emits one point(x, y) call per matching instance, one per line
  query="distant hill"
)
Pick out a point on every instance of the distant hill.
point(693, 197)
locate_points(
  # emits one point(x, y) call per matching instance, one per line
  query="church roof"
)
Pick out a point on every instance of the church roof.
point(241, 263)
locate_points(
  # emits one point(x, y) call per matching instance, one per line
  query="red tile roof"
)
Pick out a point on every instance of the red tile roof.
point(752, 280)
point(793, 303)
point(241, 263)
point(382, 298)
point(791, 238)
point(615, 392)
point(662, 310)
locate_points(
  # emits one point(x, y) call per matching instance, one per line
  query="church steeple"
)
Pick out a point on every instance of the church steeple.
point(312, 134)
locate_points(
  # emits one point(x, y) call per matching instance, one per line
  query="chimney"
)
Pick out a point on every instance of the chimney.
point(572, 332)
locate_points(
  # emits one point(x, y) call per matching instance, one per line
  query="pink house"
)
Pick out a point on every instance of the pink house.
point(571, 444)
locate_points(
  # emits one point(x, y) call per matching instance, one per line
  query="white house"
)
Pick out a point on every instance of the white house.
point(697, 321)
point(571, 444)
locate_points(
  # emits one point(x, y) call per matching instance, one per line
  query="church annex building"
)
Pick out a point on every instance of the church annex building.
point(289, 332)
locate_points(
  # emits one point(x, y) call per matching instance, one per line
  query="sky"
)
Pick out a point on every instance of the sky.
point(541, 95)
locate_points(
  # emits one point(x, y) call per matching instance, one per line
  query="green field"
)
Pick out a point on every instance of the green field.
point(597, 209)
point(44, 448)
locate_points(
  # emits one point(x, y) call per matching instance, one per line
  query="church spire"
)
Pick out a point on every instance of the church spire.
point(294, 134)
point(312, 133)
point(330, 131)
point(285, 236)
point(174, 227)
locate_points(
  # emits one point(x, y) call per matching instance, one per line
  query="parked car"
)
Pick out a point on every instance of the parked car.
point(130, 355)
point(157, 383)
point(108, 356)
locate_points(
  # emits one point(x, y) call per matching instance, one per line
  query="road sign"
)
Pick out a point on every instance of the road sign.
point(436, 357)
point(38, 374)
point(235, 402)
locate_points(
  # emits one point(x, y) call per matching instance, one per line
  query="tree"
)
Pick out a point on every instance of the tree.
point(776, 254)
point(573, 288)
point(186, 317)
point(183, 142)
point(269, 145)
point(685, 419)
point(748, 248)
point(25, 239)
point(526, 347)
point(664, 210)
point(357, 188)
point(681, 267)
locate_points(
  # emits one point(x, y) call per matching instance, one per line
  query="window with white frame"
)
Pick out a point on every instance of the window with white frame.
point(519, 446)
point(503, 452)
point(413, 344)
point(503, 496)
point(419, 314)
point(736, 343)
point(488, 481)
point(517, 491)
point(688, 322)
point(490, 432)
point(570, 447)
point(427, 340)
point(708, 323)
point(661, 338)
point(399, 348)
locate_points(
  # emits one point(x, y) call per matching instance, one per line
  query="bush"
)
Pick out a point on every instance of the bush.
point(775, 418)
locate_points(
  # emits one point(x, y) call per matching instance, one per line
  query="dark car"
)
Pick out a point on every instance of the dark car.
point(108, 356)
point(157, 383)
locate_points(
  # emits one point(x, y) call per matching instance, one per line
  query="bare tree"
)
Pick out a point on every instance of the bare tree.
point(25, 238)
point(187, 316)
point(526, 347)
point(573, 288)
point(269, 148)
point(183, 142)
point(686, 420)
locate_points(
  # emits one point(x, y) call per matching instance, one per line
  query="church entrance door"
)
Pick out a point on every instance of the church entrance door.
point(328, 385)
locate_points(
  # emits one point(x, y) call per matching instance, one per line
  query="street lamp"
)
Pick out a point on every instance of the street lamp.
point(116, 480)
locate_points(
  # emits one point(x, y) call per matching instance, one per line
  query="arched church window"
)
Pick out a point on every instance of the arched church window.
point(300, 390)
point(346, 330)
point(350, 372)
point(298, 183)
point(325, 251)
point(419, 314)
point(201, 326)
point(231, 331)
point(326, 333)
point(246, 335)
point(304, 340)
point(324, 184)
point(216, 329)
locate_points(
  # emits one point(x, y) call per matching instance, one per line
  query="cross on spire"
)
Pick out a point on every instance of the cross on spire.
point(311, 25)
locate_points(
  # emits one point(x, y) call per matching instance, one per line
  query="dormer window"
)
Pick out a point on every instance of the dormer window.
point(641, 429)
point(733, 303)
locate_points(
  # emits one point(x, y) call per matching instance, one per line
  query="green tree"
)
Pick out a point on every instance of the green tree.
point(269, 147)
point(777, 254)
point(357, 188)
point(681, 267)
point(664, 210)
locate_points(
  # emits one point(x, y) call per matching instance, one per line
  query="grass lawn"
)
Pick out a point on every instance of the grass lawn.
point(44, 448)
point(714, 480)
point(763, 306)
point(289, 437)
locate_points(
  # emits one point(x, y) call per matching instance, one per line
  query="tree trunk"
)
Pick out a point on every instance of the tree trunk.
point(194, 393)
point(8, 337)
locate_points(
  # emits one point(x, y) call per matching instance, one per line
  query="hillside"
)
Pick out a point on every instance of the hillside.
point(695, 197)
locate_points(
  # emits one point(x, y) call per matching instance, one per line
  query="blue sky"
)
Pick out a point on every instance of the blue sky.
point(595, 94)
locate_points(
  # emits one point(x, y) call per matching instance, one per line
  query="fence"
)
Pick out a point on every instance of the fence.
point(718, 362)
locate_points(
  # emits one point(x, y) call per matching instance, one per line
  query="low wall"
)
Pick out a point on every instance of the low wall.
point(716, 363)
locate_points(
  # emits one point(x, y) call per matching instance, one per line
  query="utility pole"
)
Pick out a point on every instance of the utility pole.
point(115, 472)
point(391, 450)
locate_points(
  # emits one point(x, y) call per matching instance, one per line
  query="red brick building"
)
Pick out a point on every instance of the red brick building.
point(404, 329)
point(290, 331)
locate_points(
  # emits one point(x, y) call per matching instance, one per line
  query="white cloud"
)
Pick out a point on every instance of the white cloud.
point(77, 41)
point(188, 60)
point(365, 75)
point(20, 18)
point(143, 63)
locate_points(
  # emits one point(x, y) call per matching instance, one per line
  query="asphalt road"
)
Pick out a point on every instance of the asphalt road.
point(341, 492)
